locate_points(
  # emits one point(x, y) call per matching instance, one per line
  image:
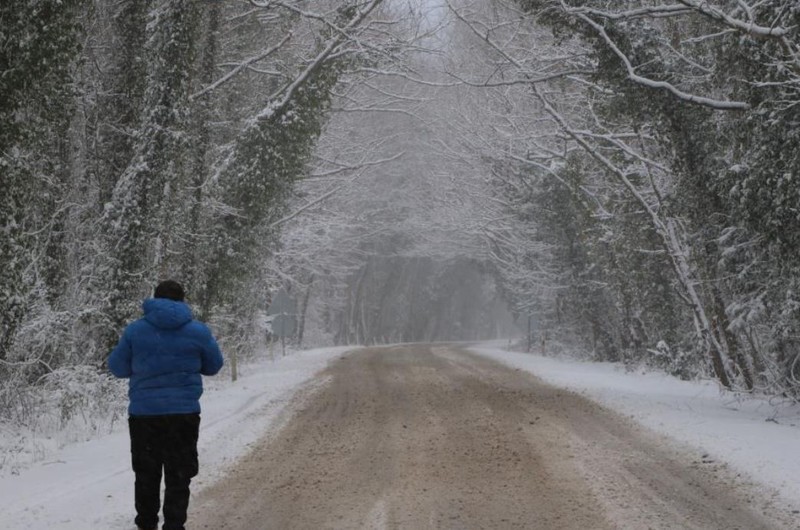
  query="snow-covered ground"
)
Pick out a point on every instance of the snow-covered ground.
point(757, 437)
point(90, 484)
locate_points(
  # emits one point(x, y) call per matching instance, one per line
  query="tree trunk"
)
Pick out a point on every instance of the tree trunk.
point(730, 340)
point(301, 315)
point(195, 247)
point(673, 244)
point(141, 202)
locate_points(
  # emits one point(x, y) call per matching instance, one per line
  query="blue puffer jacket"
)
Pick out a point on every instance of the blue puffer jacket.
point(164, 354)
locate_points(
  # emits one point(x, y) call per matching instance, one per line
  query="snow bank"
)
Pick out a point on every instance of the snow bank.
point(90, 484)
point(755, 436)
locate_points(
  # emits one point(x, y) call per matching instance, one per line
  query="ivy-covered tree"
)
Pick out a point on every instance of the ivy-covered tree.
point(266, 159)
point(685, 108)
point(140, 218)
point(38, 48)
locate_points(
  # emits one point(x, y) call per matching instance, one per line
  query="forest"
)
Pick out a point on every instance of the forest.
point(620, 178)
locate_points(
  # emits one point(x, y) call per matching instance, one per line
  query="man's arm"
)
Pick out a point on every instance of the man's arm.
point(119, 362)
point(211, 356)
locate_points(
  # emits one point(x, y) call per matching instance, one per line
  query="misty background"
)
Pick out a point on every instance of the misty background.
point(614, 183)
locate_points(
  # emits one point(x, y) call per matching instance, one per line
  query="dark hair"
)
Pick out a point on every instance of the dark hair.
point(170, 289)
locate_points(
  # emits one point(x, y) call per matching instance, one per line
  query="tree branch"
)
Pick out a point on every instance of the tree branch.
point(644, 81)
point(241, 66)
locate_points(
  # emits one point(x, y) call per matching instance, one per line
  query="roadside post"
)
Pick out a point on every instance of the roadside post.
point(532, 329)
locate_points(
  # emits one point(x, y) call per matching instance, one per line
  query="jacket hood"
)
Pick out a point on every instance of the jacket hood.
point(165, 313)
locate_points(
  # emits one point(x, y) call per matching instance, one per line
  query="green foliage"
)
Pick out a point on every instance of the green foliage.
point(733, 180)
point(268, 159)
point(38, 47)
point(142, 214)
point(108, 166)
point(38, 43)
point(615, 292)
point(120, 97)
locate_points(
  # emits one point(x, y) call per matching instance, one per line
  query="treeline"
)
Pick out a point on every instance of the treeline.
point(660, 197)
point(145, 139)
point(633, 171)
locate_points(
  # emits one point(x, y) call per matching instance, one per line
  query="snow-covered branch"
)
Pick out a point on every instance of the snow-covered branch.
point(246, 64)
point(354, 167)
point(283, 96)
point(682, 8)
point(652, 83)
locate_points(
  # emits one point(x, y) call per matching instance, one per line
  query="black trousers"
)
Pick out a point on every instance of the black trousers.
point(169, 444)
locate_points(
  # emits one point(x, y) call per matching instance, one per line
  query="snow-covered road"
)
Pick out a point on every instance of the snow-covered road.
point(89, 485)
point(427, 436)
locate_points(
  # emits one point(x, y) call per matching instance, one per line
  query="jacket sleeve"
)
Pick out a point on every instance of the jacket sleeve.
point(211, 356)
point(119, 362)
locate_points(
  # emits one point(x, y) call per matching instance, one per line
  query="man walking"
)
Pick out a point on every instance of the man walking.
point(164, 354)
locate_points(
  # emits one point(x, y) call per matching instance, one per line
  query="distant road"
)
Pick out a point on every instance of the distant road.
point(424, 437)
